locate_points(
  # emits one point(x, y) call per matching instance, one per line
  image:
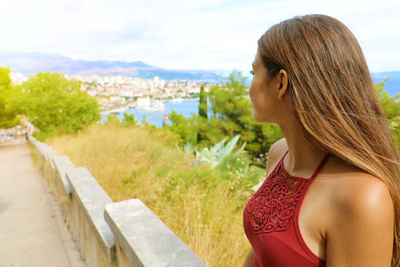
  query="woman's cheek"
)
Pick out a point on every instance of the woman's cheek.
point(251, 90)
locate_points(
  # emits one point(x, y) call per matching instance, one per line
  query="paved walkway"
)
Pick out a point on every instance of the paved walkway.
point(32, 228)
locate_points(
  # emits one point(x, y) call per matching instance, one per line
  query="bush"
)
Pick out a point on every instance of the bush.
point(55, 104)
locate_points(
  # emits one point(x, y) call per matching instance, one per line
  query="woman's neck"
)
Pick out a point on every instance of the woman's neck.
point(303, 157)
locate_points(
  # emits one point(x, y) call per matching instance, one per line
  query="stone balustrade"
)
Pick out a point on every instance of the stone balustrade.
point(108, 233)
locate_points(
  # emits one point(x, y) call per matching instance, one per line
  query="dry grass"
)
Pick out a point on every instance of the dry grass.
point(204, 210)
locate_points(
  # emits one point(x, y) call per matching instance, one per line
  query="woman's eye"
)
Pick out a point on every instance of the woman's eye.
point(252, 72)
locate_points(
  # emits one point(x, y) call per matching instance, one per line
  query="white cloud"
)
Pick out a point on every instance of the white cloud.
point(207, 34)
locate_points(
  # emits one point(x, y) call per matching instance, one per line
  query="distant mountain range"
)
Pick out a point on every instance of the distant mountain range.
point(31, 63)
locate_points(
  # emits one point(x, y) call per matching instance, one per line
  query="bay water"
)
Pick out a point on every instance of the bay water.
point(187, 108)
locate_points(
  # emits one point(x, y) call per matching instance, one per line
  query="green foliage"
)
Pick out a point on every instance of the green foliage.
point(391, 107)
point(112, 121)
point(203, 103)
point(8, 114)
point(129, 119)
point(56, 105)
point(390, 104)
point(238, 169)
point(203, 117)
point(185, 128)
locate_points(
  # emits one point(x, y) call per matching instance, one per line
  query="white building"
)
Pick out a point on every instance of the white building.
point(126, 93)
point(143, 101)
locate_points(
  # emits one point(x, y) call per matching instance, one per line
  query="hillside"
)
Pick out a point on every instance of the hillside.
point(30, 63)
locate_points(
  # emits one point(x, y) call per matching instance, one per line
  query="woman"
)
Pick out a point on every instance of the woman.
point(332, 193)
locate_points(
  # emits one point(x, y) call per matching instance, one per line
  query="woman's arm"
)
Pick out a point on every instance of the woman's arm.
point(360, 232)
point(250, 259)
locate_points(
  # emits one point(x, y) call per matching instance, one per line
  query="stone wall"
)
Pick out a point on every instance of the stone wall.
point(108, 233)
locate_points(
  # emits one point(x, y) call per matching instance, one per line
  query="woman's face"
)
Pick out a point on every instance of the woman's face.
point(263, 92)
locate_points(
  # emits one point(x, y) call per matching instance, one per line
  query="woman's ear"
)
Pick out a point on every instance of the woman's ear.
point(283, 81)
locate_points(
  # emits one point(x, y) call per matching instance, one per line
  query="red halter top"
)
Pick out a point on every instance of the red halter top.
point(271, 217)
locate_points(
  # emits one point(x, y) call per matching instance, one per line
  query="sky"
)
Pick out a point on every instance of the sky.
point(185, 34)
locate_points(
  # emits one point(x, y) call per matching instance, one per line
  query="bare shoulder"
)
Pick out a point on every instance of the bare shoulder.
point(357, 191)
point(361, 217)
point(275, 153)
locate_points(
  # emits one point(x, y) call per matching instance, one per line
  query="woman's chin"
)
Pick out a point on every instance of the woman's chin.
point(258, 119)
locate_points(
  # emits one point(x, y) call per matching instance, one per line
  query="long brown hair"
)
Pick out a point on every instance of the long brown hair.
point(333, 97)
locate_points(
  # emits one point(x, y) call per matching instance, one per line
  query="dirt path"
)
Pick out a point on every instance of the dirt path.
point(32, 229)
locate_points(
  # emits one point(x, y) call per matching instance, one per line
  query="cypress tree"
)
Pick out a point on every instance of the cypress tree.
point(203, 103)
point(202, 113)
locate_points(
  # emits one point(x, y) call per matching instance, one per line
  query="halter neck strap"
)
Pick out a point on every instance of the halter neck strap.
point(317, 170)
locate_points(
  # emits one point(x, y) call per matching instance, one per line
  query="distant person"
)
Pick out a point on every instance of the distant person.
point(26, 137)
point(332, 192)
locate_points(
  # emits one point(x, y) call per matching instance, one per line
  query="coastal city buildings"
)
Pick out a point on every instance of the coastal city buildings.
point(116, 93)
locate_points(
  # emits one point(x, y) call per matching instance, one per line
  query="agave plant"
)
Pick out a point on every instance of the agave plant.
point(216, 154)
point(187, 148)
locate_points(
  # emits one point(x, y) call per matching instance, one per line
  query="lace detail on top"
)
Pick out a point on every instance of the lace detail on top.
point(273, 206)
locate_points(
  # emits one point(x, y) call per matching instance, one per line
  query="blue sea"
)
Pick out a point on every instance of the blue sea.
point(186, 108)
point(392, 84)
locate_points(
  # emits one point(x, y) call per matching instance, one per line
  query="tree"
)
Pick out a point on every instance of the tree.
point(391, 107)
point(56, 105)
point(129, 119)
point(203, 103)
point(203, 117)
point(390, 104)
point(186, 128)
point(8, 114)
